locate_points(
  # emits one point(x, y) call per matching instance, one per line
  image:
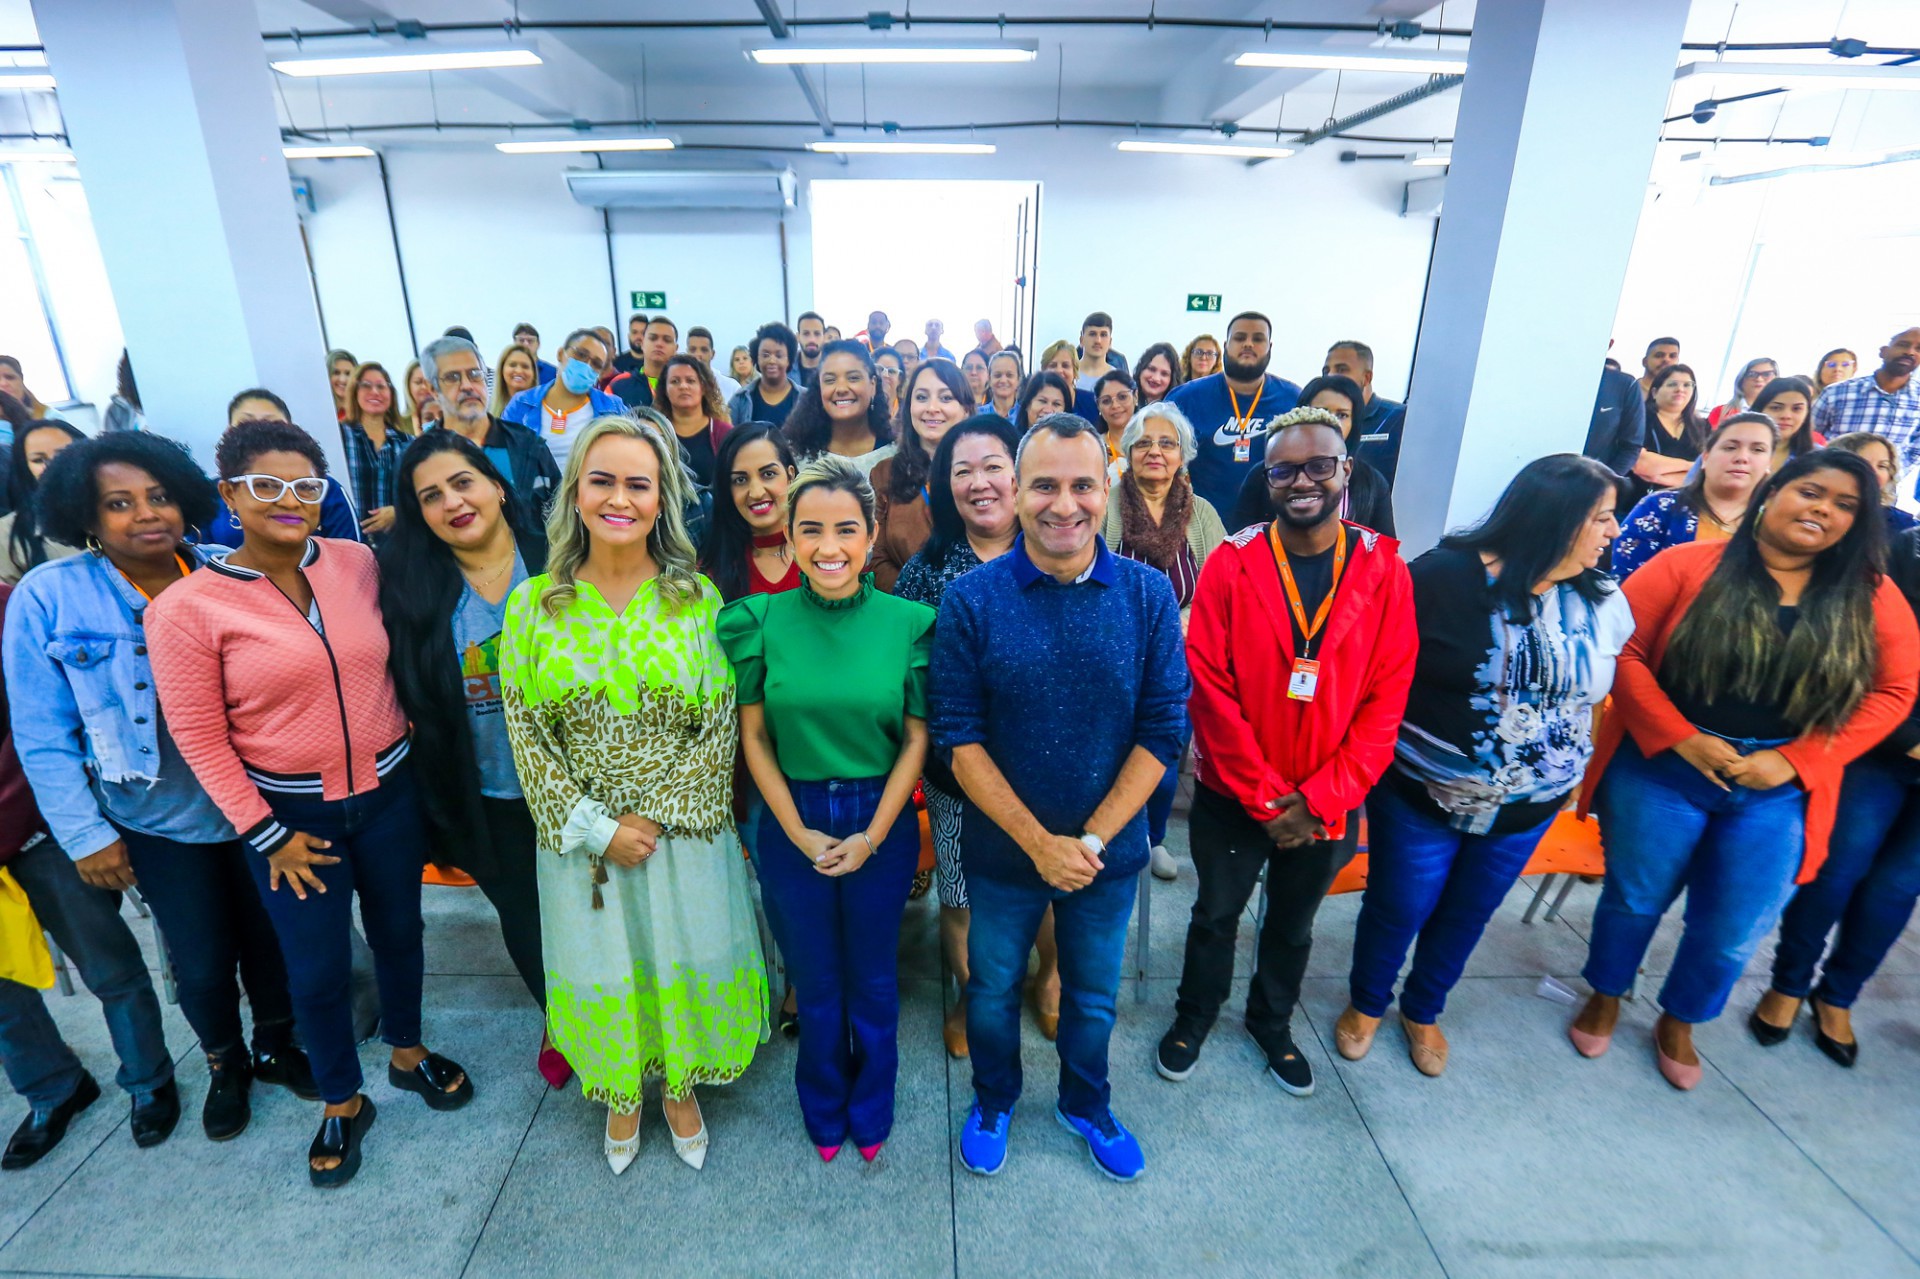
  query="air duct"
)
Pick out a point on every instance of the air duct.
point(769, 189)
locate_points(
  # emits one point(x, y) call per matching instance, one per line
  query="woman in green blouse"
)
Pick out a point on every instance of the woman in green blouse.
point(620, 711)
point(833, 692)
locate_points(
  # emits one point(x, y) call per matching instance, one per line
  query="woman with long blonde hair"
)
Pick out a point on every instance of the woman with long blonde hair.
point(620, 712)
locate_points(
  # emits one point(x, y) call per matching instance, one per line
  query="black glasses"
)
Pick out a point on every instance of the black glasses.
point(1317, 469)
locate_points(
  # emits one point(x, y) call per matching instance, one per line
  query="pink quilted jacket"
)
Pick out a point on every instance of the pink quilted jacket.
point(261, 703)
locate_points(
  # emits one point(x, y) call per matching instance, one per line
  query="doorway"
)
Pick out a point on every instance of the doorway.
point(956, 251)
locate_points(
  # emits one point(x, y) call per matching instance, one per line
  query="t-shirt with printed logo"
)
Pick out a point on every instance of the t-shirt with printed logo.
point(1231, 441)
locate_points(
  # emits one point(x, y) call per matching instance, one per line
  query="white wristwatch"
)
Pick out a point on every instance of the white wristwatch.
point(1094, 843)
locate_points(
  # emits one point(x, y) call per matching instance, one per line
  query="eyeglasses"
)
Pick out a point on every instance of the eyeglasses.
point(271, 488)
point(1317, 469)
point(453, 377)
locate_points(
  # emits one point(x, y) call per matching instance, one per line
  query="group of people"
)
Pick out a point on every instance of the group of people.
point(624, 645)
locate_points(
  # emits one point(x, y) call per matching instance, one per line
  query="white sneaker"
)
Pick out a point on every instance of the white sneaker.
point(621, 1154)
point(692, 1150)
point(1162, 863)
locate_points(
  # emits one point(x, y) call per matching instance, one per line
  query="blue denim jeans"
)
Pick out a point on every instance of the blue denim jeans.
point(1426, 880)
point(86, 922)
point(380, 838)
point(1867, 885)
point(1090, 929)
point(1666, 828)
point(840, 935)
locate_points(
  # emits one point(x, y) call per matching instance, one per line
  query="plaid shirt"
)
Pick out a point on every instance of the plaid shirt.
point(370, 471)
point(1858, 404)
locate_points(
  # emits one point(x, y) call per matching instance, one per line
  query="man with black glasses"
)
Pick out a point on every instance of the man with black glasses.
point(454, 369)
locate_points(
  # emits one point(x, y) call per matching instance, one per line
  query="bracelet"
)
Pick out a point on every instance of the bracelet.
point(871, 850)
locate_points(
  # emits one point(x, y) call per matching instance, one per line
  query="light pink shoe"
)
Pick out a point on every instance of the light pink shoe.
point(1589, 1045)
point(1682, 1077)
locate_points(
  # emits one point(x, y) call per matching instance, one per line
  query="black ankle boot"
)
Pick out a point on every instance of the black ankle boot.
point(286, 1066)
point(229, 1080)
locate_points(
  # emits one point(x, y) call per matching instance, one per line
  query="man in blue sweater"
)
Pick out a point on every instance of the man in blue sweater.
point(1059, 686)
point(1230, 410)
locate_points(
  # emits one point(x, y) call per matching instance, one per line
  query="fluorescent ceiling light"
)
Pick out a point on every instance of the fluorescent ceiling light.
point(25, 156)
point(26, 80)
point(24, 58)
point(574, 146)
point(1807, 75)
point(1410, 61)
point(788, 53)
point(326, 153)
point(903, 148)
point(408, 60)
point(1432, 161)
point(1205, 148)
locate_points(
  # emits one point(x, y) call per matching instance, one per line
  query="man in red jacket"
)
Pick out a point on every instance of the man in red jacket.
point(1302, 647)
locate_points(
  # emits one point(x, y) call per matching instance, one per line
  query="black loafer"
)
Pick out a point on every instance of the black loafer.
point(339, 1138)
point(430, 1079)
point(287, 1068)
point(229, 1108)
point(39, 1134)
point(155, 1115)
point(1765, 1033)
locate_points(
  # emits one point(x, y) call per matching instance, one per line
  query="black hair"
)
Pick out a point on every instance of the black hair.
point(1728, 644)
point(525, 329)
point(1036, 383)
point(1533, 524)
point(245, 441)
point(810, 430)
point(661, 319)
point(1360, 349)
point(68, 498)
point(886, 350)
point(1342, 385)
point(1801, 441)
point(1694, 491)
point(1693, 427)
point(775, 332)
point(1660, 342)
point(948, 527)
point(729, 541)
point(123, 382)
point(420, 586)
point(1248, 315)
point(810, 315)
point(259, 393)
point(699, 331)
point(1097, 320)
point(1166, 352)
point(908, 472)
point(459, 331)
point(24, 543)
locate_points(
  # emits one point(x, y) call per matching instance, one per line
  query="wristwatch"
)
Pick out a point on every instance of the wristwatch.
point(1094, 843)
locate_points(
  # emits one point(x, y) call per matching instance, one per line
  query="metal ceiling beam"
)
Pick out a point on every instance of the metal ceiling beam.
point(777, 25)
point(1387, 106)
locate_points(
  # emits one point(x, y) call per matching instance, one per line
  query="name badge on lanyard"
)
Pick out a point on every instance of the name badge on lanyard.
point(1304, 680)
point(1243, 423)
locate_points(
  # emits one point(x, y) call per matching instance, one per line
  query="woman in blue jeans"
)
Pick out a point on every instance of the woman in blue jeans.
point(833, 691)
point(1867, 885)
point(1759, 668)
point(1518, 635)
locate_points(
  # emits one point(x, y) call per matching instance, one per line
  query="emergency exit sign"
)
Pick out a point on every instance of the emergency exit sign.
point(1195, 301)
point(658, 301)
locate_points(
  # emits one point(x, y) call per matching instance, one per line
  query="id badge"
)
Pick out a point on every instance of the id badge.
point(1243, 449)
point(1304, 680)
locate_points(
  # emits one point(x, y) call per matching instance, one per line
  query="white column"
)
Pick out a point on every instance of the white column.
point(169, 110)
point(1558, 121)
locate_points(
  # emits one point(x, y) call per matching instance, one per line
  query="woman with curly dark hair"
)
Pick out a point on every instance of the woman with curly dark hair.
point(1156, 373)
point(936, 397)
point(115, 792)
point(843, 410)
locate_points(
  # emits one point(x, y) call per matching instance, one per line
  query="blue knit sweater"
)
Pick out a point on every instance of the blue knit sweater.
point(1059, 683)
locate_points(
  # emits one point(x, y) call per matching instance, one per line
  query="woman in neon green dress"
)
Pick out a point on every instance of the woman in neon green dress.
point(620, 710)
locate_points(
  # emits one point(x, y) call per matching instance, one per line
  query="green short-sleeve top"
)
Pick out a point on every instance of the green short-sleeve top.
point(837, 678)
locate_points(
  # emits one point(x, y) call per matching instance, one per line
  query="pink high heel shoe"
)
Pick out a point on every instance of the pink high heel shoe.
point(871, 1153)
point(827, 1153)
point(553, 1067)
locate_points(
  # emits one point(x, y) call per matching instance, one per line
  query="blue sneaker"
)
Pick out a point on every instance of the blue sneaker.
point(983, 1141)
point(1114, 1150)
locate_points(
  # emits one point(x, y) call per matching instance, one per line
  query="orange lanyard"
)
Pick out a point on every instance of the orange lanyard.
point(1308, 631)
point(1240, 419)
point(177, 559)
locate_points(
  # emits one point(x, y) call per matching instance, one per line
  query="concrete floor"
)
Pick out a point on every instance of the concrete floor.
point(1523, 1160)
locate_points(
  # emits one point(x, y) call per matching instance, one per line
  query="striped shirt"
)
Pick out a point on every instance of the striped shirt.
point(1858, 404)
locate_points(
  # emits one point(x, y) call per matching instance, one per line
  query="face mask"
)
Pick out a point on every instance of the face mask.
point(578, 376)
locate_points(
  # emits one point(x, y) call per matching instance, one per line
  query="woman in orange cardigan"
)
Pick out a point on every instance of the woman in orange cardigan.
point(1758, 669)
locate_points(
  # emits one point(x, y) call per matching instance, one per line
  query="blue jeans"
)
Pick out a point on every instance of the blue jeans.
point(381, 840)
point(86, 922)
point(1867, 885)
point(1090, 929)
point(1429, 881)
point(1665, 828)
point(840, 935)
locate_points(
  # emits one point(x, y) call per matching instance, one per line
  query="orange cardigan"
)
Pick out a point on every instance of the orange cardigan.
point(1661, 592)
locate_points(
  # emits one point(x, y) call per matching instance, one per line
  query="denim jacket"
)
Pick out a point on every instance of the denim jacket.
point(86, 720)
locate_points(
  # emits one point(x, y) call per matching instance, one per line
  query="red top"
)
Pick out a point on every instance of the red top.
point(758, 583)
point(1660, 593)
point(1250, 740)
point(19, 817)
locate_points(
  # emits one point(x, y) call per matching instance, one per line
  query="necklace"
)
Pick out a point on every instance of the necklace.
point(1724, 525)
point(775, 542)
point(484, 583)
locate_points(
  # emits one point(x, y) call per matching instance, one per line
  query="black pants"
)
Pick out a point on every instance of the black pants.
point(1229, 850)
point(210, 914)
point(509, 880)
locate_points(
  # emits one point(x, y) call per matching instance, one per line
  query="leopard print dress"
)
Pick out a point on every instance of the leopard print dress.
point(655, 972)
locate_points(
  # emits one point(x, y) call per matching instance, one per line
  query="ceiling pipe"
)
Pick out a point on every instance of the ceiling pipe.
point(586, 127)
point(883, 21)
point(1333, 128)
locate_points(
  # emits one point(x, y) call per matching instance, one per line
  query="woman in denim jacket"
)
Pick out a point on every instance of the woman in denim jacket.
point(113, 788)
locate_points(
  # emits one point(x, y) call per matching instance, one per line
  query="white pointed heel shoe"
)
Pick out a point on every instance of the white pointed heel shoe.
point(620, 1154)
point(692, 1150)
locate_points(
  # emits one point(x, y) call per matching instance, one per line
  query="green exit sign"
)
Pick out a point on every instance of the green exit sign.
point(644, 301)
point(1195, 301)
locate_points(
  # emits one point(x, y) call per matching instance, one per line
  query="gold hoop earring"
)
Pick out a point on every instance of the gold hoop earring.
point(93, 545)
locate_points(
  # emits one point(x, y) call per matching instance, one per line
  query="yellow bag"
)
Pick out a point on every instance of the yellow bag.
point(23, 951)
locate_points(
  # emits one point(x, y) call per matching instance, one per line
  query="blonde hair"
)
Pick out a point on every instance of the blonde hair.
point(1053, 349)
point(403, 394)
point(568, 540)
point(835, 474)
point(1186, 356)
point(500, 395)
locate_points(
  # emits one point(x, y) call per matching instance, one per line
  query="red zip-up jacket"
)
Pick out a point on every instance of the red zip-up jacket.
point(1253, 743)
point(259, 701)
